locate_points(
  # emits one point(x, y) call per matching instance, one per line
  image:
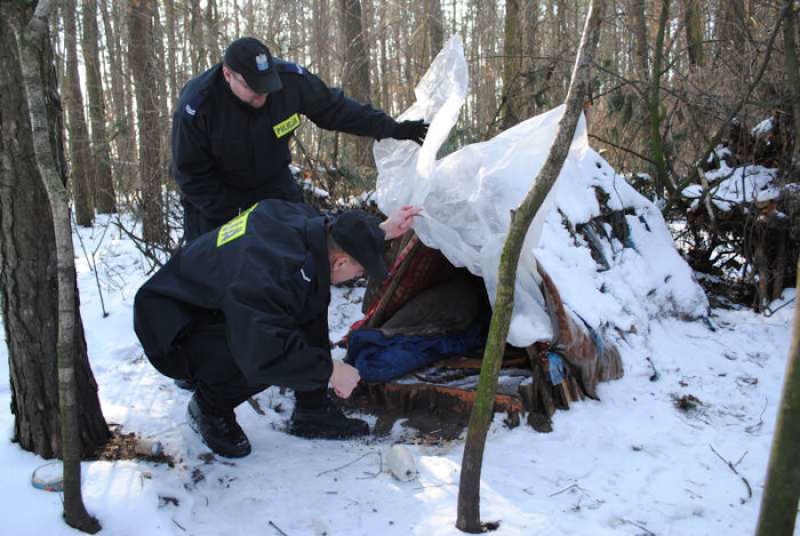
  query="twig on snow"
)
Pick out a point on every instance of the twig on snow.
point(351, 463)
point(437, 485)
point(179, 525)
point(756, 427)
point(639, 525)
point(733, 468)
point(565, 489)
point(276, 527)
point(256, 406)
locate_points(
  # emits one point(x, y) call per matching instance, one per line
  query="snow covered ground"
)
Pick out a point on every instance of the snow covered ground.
point(631, 464)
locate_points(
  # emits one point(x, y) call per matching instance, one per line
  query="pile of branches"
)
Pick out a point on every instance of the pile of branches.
point(748, 249)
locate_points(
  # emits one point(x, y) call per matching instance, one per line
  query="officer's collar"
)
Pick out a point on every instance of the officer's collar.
point(317, 237)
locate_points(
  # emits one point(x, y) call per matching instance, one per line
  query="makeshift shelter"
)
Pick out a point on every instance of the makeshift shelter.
point(598, 262)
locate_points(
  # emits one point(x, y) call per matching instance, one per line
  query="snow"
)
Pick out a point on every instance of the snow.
point(628, 464)
point(469, 195)
point(763, 128)
point(738, 186)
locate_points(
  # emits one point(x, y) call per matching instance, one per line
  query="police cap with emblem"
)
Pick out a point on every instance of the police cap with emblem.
point(252, 59)
point(359, 235)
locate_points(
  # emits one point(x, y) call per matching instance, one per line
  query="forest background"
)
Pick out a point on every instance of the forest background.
point(677, 85)
point(687, 97)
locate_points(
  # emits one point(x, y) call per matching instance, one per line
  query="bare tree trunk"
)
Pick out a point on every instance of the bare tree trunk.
point(512, 65)
point(27, 52)
point(122, 131)
point(469, 491)
point(355, 78)
point(140, 45)
point(104, 184)
point(782, 491)
point(694, 31)
point(792, 79)
point(172, 30)
point(433, 14)
point(196, 37)
point(637, 17)
point(527, 101)
point(655, 107)
point(80, 155)
point(212, 31)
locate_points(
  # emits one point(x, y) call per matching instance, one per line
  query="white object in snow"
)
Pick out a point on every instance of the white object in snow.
point(148, 447)
point(401, 463)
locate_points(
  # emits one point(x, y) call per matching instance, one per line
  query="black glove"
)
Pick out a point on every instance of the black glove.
point(411, 130)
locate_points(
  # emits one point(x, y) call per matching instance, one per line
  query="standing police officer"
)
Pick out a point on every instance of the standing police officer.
point(233, 123)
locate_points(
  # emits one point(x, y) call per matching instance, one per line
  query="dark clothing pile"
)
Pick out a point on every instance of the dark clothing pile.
point(228, 155)
point(447, 319)
point(263, 280)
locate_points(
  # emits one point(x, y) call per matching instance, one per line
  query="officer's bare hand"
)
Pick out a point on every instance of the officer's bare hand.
point(344, 379)
point(400, 222)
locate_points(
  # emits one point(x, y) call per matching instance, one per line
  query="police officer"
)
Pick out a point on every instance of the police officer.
point(245, 307)
point(232, 126)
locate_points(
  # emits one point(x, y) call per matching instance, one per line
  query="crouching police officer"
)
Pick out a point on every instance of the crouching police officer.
point(246, 307)
point(232, 125)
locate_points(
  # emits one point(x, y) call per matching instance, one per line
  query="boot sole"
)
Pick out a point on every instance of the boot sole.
point(325, 435)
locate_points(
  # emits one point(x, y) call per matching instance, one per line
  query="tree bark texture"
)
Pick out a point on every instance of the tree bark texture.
point(142, 63)
point(792, 78)
point(469, 490)
point(512, 64)
point(122, 132)
point(655, 107)
point(30, 56)
point(82, 171)
point(28, 275)
point(355, 77)
point(104, 200)
point(782, 491)
point(694, 31)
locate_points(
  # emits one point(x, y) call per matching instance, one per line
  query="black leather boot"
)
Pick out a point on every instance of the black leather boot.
point(325, 422)
point(221, 433)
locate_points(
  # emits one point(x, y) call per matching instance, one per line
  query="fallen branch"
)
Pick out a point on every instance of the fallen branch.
point(733, 468)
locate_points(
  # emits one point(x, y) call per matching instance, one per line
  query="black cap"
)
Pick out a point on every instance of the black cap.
point(359, 235)
point(252, 59)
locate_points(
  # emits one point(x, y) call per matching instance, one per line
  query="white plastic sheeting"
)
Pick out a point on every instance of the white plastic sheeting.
point(468, 197)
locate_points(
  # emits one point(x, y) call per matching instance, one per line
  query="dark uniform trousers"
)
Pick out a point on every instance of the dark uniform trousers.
point(204, 356)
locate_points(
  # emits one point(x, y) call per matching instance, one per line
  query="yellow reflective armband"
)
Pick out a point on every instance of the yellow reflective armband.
point(287, 127)
point(235, 228)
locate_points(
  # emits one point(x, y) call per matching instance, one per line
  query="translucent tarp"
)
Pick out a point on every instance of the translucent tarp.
point(468, 197)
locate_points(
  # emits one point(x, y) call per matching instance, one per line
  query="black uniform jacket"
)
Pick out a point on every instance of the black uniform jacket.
point(266, 272)
point(228, 155)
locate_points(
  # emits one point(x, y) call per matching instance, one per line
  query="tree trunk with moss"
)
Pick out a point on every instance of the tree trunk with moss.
point(782, 492)
point(36, 151)
point(469, 491)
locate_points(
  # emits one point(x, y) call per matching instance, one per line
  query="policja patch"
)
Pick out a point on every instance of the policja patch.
point(235, 228)
point(286, 127)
